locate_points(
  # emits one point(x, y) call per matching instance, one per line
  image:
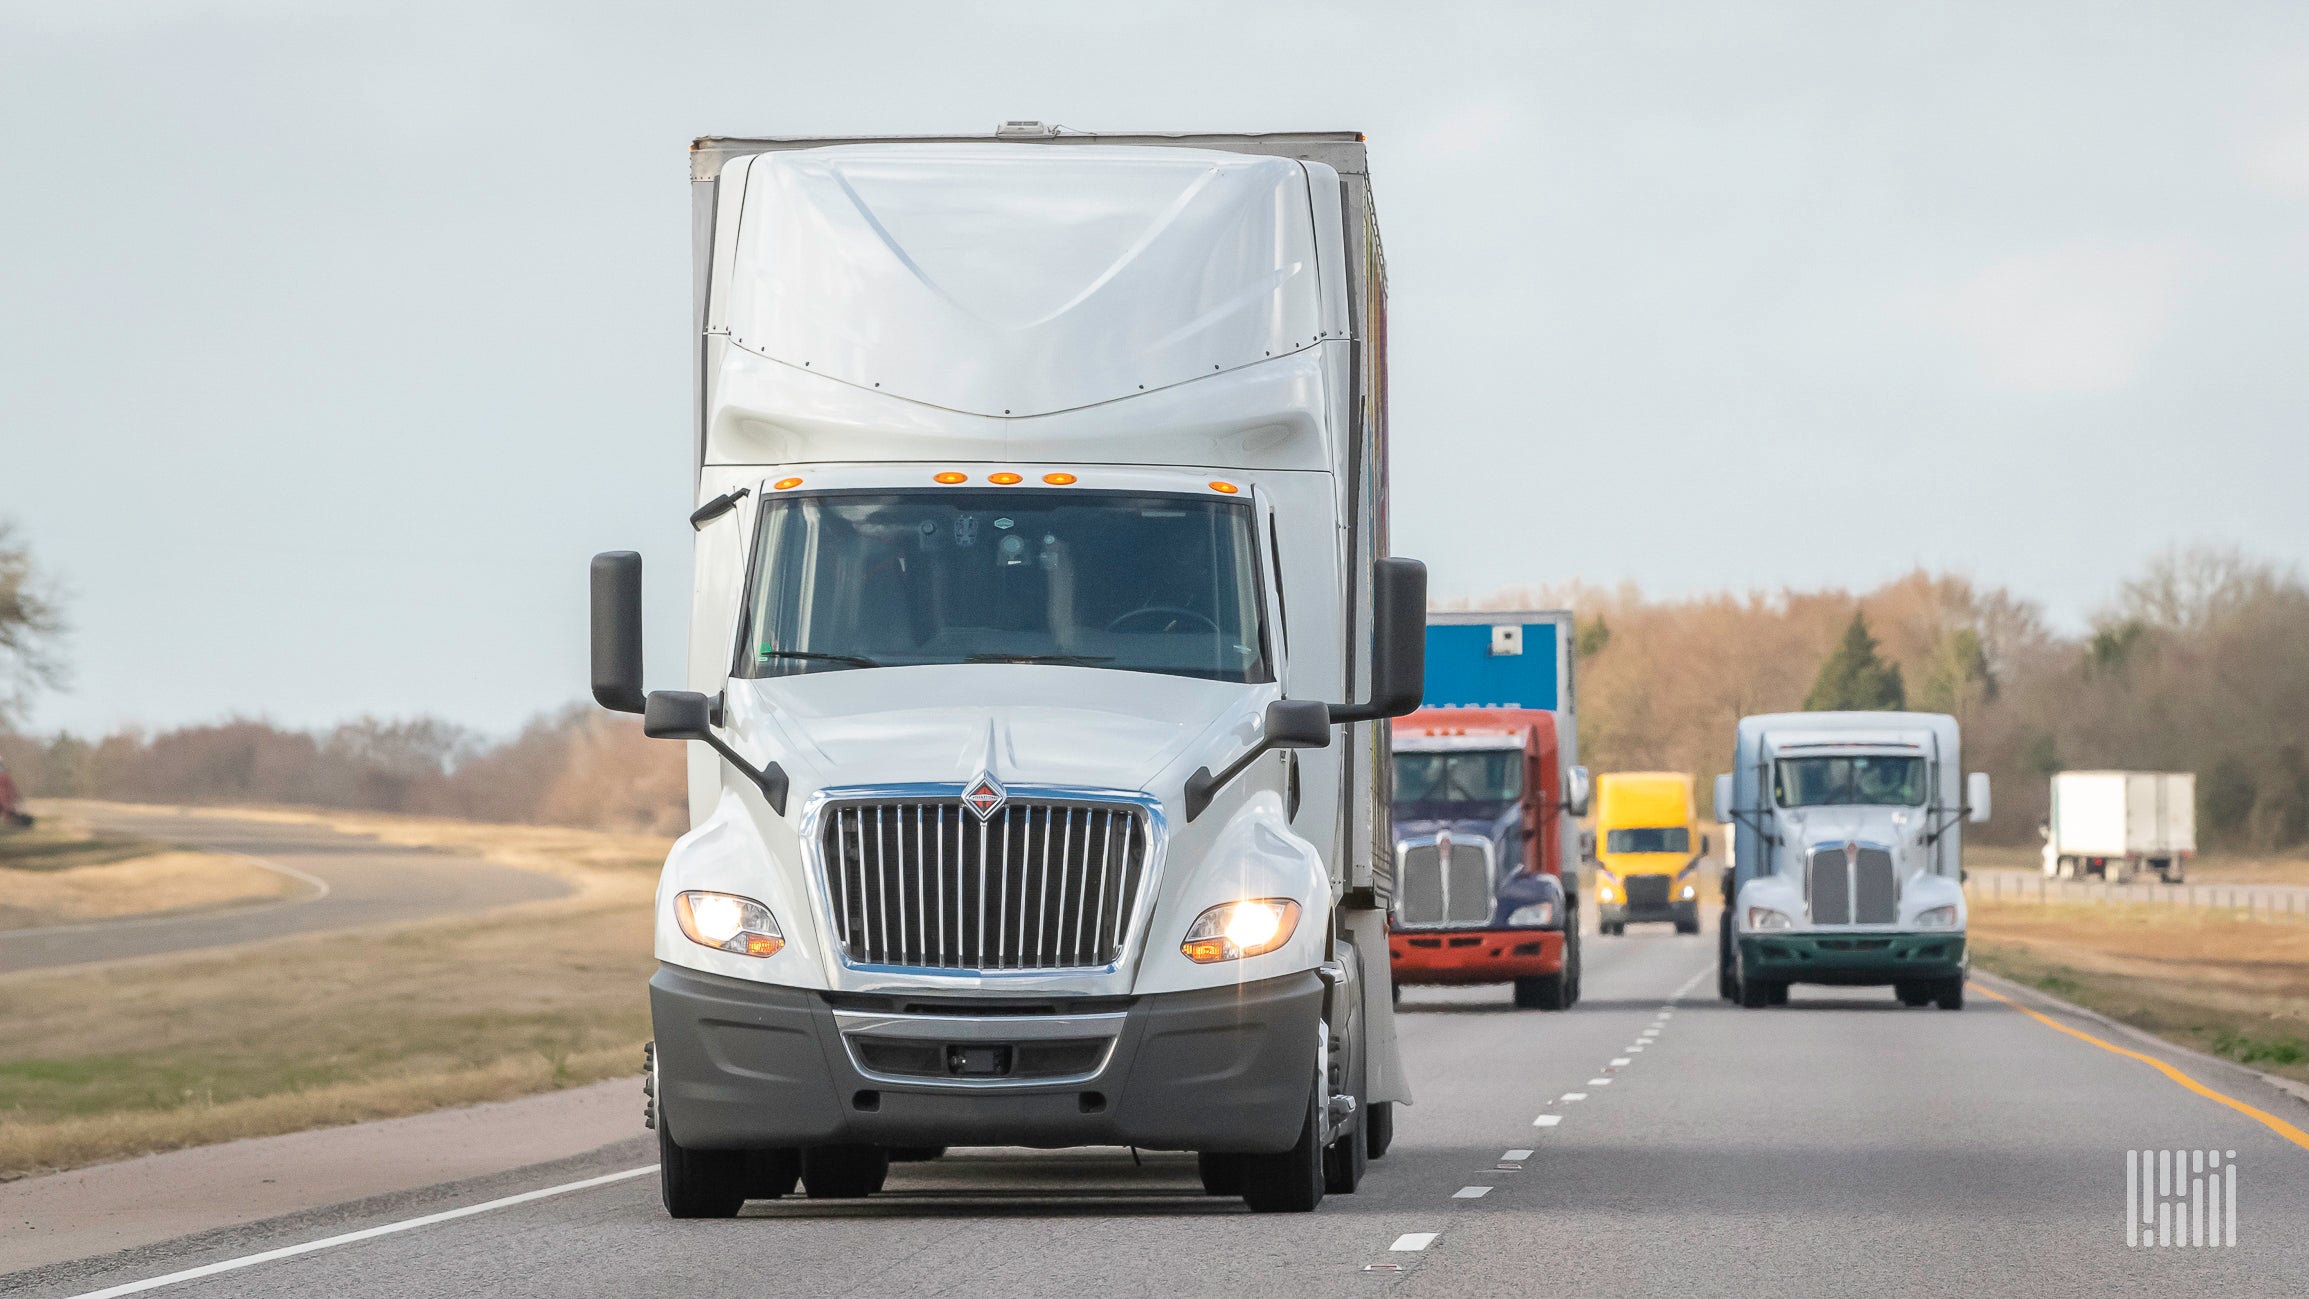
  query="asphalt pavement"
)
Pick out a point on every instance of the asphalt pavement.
point(1652, 1141)
point(349, 881)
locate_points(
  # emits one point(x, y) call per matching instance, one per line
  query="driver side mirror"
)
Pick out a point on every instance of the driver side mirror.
point(1976, 797)
point(1579, 787)
point(1398, 642)
point(1288, 724)
point(1724, 799)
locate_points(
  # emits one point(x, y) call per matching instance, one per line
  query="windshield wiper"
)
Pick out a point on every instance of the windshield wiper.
point(1064, 660)
point(813, 656)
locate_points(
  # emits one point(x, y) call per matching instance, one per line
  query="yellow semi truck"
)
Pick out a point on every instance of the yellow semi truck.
point(1648, 850)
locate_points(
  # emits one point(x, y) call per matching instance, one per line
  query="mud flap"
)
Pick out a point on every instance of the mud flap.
point(1382, 1063)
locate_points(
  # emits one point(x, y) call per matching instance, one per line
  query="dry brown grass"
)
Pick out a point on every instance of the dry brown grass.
point(2210, 980)
point(66, 872)
point(119, 1060)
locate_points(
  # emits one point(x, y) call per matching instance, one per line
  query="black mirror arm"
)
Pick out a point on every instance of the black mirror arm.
point(1202, 786)
point(771, 780)
point(716, 508)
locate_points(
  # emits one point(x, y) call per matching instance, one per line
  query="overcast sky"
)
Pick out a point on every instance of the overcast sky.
point(335, 336)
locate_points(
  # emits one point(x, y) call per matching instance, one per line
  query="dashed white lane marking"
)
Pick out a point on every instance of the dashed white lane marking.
point(1414, 1240)
point(1575, 1096)
point(370, 1233)
point(1599, 1082)
point(1515, 1156)
point(1619, 1060)
point(1471, 1193)
point(1694, 982)
point(1547, 1120)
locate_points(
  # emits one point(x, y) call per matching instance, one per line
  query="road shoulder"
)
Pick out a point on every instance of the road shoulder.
point(88, 1212)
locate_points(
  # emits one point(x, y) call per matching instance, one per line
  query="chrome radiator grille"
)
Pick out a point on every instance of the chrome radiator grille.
point(1036, 886)
point(1432, 893)
point(1863, 890)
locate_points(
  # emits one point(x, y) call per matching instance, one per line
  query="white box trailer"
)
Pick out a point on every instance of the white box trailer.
point(2115, 824)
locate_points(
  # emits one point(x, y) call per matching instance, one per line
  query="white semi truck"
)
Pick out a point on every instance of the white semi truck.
point(2116, 824)
point(1042, 639)
point(1848, 865)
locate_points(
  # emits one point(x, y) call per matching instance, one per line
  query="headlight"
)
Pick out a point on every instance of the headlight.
point(1686, 893)
point(1231, 931)
point(728, 923)
point(1538, 913)
point(1937, 918)
point(1603, 893)
point(1767, 918)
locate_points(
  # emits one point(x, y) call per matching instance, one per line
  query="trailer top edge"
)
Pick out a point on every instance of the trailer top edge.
point(1343, 151)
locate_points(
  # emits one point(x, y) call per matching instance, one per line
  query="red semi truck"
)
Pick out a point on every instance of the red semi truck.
point(1487, 784)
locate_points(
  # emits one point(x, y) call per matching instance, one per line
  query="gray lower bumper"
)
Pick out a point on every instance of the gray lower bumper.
point(1620, 913)
point(748, 1065)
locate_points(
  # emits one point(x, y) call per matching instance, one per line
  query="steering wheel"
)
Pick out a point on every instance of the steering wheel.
point(1147, 609)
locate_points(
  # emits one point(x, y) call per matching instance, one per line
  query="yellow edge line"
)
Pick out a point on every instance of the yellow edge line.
point(2274, 1124)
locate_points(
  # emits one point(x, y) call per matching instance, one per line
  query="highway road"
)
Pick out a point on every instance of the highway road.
point(351, 880)
point(1652, 1141)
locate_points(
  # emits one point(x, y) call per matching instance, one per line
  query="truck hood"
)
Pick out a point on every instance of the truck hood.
point(1814, 827)
point(1024, 723)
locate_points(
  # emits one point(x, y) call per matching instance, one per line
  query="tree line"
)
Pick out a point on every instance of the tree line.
point(2200, 663)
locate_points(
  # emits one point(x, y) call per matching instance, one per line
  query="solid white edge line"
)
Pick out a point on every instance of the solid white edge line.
point(1411, 1241)
point(369, 1233)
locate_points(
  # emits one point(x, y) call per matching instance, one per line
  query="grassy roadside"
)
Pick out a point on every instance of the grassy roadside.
point(2212, 981)
point(112, 1061)
point(64, 872)
point(2207, 868)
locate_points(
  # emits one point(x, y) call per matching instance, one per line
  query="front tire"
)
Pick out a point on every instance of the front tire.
point(1290, 1182)
point(1222, 1174)
point(1755, 994)
point(1951, 994)
point(1379, 1128)
point(699, 1183)
point(1345, 1159)
point(1540, 992)
point(1914, 994)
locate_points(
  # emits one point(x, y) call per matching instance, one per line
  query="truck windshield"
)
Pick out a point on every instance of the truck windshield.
point(1133, 582)
point(1874, 779)
point(1668, 839)
point(1466, 776)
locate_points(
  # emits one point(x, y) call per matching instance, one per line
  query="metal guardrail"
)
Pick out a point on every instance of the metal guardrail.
point(2260, 901)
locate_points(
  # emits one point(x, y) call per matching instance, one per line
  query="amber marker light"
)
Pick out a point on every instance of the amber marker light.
point(1228, 489)
point(950, 478)
point(1005, 479)
point(787, 484)
point(1058, 480)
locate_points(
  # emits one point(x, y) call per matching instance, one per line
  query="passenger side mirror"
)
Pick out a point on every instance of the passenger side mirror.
point(677, 715)
point(666, 714)
point(1976, 797)
point(617, 631)
point(1724, 799)
point(1579, 787)
point(1704, 845)
point(1398, 642)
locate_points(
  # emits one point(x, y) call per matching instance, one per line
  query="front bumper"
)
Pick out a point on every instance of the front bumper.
point(745, 1065)
point(1853, 959)
point(1621, 913)
point(1473, 955)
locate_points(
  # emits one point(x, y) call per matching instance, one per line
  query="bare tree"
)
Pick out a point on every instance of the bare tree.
point(30, 627)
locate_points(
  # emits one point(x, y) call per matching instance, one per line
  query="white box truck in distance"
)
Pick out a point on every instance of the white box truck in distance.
point(2116, 824)
point(1042, 638)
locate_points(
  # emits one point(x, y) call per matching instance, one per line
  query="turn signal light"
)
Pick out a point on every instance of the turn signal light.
point(1058, 480)
point(950, 478)
point(787, 484)
point(1004, 479)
